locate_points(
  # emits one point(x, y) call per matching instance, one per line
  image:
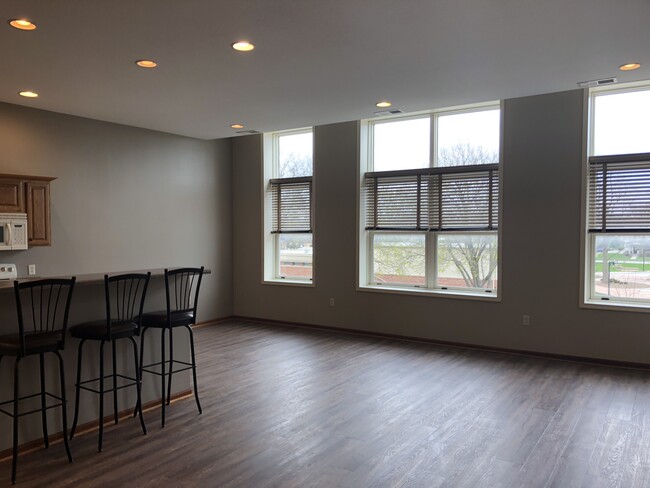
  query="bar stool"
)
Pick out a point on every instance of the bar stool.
point(123, 294)
point(182, 295)
point(42, 308)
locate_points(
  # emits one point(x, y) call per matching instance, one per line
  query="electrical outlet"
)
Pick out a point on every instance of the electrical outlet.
point(32, 269)
point(525, 320)
point(332, 302)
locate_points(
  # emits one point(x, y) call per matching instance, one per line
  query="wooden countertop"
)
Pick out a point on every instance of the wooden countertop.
point(87, 279)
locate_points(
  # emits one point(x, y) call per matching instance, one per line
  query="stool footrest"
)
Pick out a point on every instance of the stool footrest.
point(114, 387)
point(165, 363)
point(28, 397)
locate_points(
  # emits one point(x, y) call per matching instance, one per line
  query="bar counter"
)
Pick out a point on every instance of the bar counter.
point(86, 279)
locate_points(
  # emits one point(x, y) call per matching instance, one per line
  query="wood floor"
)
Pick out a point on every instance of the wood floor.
point(287, 407)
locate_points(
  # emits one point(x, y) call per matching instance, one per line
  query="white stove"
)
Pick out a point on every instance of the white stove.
point(8, 272)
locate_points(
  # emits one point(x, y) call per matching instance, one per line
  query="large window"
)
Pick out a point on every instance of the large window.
point(430, 202)
point(288, 226)
point(618, 197)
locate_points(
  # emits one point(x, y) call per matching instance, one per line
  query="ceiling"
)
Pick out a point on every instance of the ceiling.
point(316, 61)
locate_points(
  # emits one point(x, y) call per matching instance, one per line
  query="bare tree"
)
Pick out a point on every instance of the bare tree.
point(474, 256)
point(466, 154)
point(296, 165)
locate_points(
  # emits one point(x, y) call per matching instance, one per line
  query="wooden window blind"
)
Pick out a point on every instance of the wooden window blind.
point(461, 198)
point(619, 193)
point(291, 205)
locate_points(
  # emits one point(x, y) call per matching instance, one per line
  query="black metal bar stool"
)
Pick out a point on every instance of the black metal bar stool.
point(182, 294)
point(42, 308)
point(125, 295)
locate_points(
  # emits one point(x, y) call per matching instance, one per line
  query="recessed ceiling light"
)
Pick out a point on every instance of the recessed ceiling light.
point(237, 126)
point(383, 104)
point(243, 46)
point(629, 66)
point(146, 63)
point(28, 94)
point(22, 24)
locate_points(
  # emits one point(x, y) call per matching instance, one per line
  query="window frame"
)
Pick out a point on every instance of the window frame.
point(271, 241)
point(365, 250)
point(588, 297)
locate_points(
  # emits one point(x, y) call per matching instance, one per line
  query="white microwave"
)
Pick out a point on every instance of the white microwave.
point(13, 231)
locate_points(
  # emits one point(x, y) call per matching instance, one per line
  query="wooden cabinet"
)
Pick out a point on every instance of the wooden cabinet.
point(12, 195)
point(38, 212)
point(30, 195)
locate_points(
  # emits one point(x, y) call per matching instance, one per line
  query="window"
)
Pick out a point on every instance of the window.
point(618, 197)
point(288, 202)
point(430, 202)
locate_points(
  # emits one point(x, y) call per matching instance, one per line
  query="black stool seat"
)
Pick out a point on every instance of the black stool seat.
point(97, 330)
point(159, 319)
point(35, 343)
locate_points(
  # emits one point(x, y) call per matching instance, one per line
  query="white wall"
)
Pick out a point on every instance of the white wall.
point(541, 248)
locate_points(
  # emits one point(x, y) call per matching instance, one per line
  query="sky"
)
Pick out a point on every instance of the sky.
point(622, 123)
point(405, 144)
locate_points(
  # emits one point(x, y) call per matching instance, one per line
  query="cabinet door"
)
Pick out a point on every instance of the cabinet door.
point(11, 196)
point(38, 212)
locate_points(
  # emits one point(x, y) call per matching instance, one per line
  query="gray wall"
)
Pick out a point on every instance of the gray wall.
point(541, 248)
point(124, 198)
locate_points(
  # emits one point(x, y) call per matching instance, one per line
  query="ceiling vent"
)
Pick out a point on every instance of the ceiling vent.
point(392, 111)
point(593, 83)
point(247, 132)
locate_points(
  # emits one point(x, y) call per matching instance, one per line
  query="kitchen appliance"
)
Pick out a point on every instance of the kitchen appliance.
point(8, 272)
point(13, 231)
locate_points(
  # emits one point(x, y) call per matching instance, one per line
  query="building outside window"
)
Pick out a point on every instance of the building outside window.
point(430, 202)
point(288, 207)
point(618, 197)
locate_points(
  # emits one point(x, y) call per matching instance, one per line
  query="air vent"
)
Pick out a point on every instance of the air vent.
point(592, 83)
point(392, 111)
point(247, 132)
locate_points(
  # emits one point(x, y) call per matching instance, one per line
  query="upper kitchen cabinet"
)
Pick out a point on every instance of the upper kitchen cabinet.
point(12, 195)
point(30, 195)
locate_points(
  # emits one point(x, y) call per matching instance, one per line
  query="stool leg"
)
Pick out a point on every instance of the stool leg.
point(64, 407)
point(162, 374)
point(14, 463)
point(171, 365)
point(101, 395)
point(77, 390)
point(115, 416)
point(139, 404)
point(138, 385)
point(196, 386)
point(43, 401)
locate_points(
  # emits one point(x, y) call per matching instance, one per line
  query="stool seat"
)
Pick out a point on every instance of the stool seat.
point(35, 343)
point(159, 319)
point(97, 330)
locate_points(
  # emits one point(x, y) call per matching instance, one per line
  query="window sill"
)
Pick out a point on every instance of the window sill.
point(456, 294)
point(616, 306)
point(300, 283)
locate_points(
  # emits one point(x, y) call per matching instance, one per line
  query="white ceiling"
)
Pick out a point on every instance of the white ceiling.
point(316, 62)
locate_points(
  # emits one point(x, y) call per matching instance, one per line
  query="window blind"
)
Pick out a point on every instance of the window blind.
point(619, 193)
point(291, 205)
point(461, 198)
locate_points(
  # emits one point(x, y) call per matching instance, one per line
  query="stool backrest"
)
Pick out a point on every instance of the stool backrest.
point(125, 295)
point(42, 307)
point(182, 290)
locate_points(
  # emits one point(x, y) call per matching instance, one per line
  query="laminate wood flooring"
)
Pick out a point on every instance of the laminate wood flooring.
point(295, 408)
